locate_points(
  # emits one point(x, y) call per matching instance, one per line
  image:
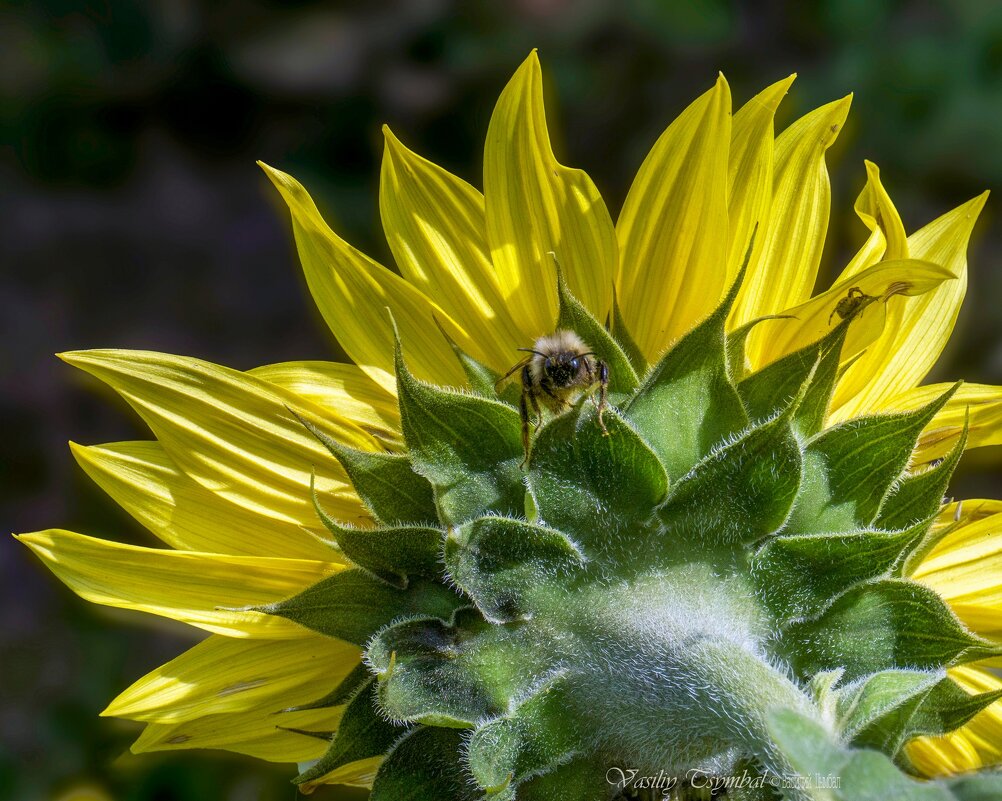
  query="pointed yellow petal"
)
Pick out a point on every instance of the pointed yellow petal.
point(225, 675)
point(233, 433)
point(341, 389)
point(436, 228)
point(673, 228)
point(749, 173)
point(784, 272)
point(196, 588)
point(353, 292)
point(914, 339)
point(966, 569)
point(977, 744)
point(810, 321)
point(536, 206)
point(143, 480)
point(255, 733)
point(983, 402)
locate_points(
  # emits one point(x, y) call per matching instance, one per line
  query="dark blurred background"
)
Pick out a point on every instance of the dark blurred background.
point(132, 215)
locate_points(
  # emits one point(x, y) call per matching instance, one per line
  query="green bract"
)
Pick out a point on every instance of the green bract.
point(719, 585)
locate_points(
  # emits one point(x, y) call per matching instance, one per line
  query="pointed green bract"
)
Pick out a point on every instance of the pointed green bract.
point(467, 447)
point(622, 335)
point(850, 469)
point(885, 710)
point(392, 554)
point(362, 733)
point(593, 484)
point(498, 562)
point(353, 605)
point(740, 493)
point(881, 625)
point(686, 404)
point(385, 482)
point(799, 574)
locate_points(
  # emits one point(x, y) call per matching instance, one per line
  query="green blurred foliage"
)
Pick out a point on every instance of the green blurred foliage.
point(133, 216)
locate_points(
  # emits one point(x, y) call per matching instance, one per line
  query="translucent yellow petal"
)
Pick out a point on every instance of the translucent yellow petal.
point(232, 433)
point(977, 744)
point(144, 481)
point(966, 570)
point(887, 239)
point(784, 272)
point(981, 401)
point(436, 228)
point(810, 321)
point(353, 293)
point(749, 174)
point(341, 389)
point(673, 227)
point(255, 733)
point(914, 339)
point(536, 206)
point(196, 588)
point(359, 774)
point(222, 675)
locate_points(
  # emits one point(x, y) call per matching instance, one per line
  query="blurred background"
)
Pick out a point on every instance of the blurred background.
point(132, 215)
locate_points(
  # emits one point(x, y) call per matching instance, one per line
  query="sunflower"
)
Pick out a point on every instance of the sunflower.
point(748, 537)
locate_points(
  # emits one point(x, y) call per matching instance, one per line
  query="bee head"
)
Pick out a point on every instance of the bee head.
point(563, 368)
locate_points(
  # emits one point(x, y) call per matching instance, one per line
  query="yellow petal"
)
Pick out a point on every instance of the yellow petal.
point(536, 206)
point(353, 292)
point(436, 228)
point(232, 433)
point(976, 745)
point(810, 321)
point(914, 340)
point(223, 675)
point(966, 570)
point(981, 401)
point(749, 174)
point(196, 588)
point(255, 733)
point(785, 270)
point(341, 389)
point(358, 774)
point(673, 227)
point(143, 480)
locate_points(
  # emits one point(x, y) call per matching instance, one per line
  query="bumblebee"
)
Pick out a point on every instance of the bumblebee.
point(559, 368)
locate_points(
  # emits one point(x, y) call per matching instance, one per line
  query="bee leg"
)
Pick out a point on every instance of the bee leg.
point(603, 388)
point(528, 395)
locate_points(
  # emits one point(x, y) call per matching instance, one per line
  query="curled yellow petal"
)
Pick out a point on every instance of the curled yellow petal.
point(979, 404)
point(810, 321)
point(673, 227)
point(233, 433)
point(887, 239)
point(750, 174)
point(784, 270)
point(144, 481)
point(436, 227)
point(919, 330)
point(353, 293)
point(535, 206)
point(223, 675)
point(343, 390)
point(258, 733)
point(203, 590)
